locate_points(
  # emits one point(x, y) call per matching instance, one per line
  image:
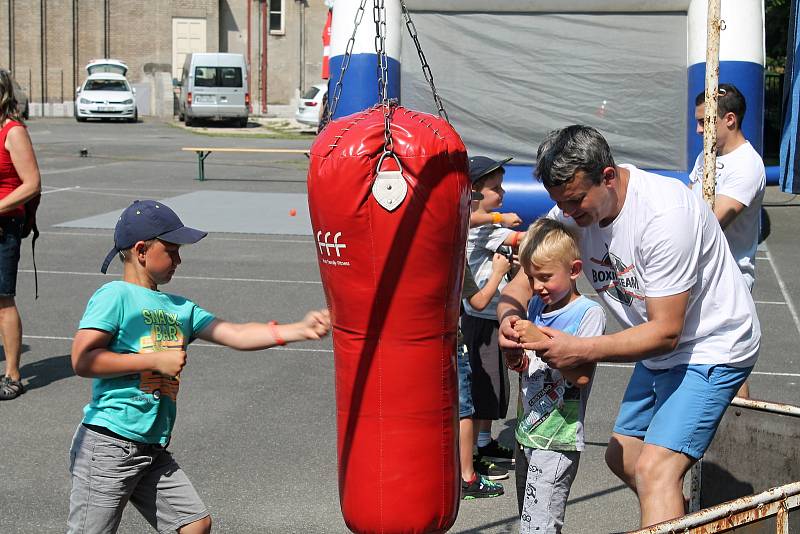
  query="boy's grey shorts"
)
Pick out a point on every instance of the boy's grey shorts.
point(107, 472)
point(549, 478)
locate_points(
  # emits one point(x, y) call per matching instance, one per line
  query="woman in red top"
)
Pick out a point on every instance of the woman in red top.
point(19, 182)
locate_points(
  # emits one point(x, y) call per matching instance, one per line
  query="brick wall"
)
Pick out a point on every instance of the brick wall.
point(52, 46)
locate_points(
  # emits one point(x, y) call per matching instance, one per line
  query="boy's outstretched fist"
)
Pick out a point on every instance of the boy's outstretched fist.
point(316, 324)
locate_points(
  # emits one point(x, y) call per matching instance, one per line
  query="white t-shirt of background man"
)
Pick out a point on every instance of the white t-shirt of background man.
point(740, 176)
point(482, 242)
point(665, 241)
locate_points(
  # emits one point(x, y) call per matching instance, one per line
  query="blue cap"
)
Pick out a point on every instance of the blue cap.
point(480, 166)
point(149, 219)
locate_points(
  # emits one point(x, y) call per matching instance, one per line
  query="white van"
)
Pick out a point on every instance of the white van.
point(214, 86)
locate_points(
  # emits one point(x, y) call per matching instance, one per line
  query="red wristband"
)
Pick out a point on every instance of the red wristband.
point(275, 335)
point(515, 239)
point(522, 366)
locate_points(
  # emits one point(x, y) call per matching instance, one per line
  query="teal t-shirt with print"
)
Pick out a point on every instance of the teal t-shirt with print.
point(139, 406)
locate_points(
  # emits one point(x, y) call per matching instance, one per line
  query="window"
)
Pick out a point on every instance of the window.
point(106, 85)
point(276, 16)
point(311, 93)
point(218, 77)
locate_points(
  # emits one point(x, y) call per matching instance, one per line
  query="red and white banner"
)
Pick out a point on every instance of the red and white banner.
point(326, 46)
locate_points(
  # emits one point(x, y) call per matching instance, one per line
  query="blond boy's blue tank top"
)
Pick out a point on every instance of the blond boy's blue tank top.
point(568, 319)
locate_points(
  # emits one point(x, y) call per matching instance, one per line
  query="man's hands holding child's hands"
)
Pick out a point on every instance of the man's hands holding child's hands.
point(316, 324)
point(554, 347)
point(527, 332)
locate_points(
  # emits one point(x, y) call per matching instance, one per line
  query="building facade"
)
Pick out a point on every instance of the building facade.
point(47, 43)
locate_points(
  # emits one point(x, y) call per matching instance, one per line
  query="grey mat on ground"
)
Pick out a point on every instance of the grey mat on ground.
point(227, 211)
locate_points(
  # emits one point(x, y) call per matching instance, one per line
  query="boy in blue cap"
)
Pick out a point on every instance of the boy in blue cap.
point(132, 340)
point(490, 383)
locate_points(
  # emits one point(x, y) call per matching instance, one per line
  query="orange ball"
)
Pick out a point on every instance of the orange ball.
point(292, 212)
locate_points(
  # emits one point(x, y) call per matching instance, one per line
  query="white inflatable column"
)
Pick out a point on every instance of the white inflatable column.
point(360, 84)
point(741, 63)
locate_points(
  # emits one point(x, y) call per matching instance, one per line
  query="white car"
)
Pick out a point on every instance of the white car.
point(106, 93)
point(311, 105)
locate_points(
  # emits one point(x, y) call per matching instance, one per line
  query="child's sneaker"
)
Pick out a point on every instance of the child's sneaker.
point(496, 452)
point(489, 470)
point(480, 488)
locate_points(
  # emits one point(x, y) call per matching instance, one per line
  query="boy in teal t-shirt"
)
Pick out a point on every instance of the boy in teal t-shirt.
point(132, 340)
point(552, 408)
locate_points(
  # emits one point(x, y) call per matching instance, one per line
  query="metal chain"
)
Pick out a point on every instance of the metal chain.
point(379, 16)
point(426, 70)
point(337, 91)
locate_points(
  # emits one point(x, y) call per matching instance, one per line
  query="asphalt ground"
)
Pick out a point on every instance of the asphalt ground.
point(256, 431)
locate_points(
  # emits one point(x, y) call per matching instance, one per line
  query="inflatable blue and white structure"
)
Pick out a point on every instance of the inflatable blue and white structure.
point(360, 83)
point(509, 75)
point(741, 63)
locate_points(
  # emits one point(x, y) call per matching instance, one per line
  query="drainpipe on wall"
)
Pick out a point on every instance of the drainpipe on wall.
point(42, 53)
point(11, 38)
point(74, 44)
point(264, 38)
point(302, 47)
point(106, 28)
point(249, 71)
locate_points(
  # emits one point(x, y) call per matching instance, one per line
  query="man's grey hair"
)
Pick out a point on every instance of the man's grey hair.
point(571, 149)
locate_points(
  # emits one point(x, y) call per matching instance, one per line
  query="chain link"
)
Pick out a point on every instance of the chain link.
point(337, 91)
point(426, 70)
point(379, 16)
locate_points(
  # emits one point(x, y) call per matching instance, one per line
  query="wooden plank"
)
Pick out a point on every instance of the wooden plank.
point(263, 150)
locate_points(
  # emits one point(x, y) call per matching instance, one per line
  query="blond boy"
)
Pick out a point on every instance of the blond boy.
point(551, 411)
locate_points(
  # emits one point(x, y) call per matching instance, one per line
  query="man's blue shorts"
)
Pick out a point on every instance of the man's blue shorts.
point(465, 407)
point(678, 408)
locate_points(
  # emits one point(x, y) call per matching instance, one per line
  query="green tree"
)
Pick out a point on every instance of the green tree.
point(776, 26)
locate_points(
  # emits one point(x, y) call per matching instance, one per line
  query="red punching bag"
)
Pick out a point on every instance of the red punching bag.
point(392, 266)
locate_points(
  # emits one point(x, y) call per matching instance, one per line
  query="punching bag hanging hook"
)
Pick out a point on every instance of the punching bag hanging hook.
point(389, 188)
point(337, 90)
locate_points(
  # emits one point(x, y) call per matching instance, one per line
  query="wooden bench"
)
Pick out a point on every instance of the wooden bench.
point(203, 153)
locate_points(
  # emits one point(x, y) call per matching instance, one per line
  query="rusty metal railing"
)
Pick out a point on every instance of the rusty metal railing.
point(773, 502)
point(764, 406)
point(776, 501)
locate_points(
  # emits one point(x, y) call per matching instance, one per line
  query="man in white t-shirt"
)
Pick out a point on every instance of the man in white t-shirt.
point(741, 180)
point(658, 260)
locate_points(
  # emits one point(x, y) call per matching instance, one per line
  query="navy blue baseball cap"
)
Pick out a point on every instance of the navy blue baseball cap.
point(149, 219)
point(480, 166)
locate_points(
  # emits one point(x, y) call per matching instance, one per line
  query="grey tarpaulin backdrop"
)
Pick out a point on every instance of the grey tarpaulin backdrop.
point(507, 78)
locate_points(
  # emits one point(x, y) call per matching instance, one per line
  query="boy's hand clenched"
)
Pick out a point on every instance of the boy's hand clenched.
point(169, 362)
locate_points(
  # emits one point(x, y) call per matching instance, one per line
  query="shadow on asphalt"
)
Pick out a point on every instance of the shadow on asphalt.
point(509, 522)
point(44, 372)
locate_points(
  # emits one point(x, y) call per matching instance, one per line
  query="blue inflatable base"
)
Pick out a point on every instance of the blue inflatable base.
point(527, 197)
